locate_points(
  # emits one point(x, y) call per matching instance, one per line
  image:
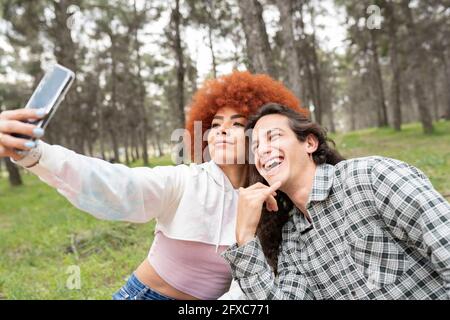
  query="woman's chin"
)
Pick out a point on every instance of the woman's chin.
point(222, 160)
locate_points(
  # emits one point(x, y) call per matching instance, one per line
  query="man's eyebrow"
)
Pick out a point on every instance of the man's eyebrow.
point(272, 130)
point(218, 117)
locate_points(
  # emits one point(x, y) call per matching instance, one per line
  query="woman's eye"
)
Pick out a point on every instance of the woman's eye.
point(238, 124)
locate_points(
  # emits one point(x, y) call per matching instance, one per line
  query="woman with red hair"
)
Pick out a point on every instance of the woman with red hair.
point(194, 205)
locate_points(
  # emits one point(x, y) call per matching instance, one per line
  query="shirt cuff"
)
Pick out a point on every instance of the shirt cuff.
point(246, 260)
point(31, 158)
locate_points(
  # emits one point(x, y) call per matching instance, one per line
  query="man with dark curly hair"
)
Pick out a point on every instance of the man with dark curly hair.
point(365, 228)
point(194, 205)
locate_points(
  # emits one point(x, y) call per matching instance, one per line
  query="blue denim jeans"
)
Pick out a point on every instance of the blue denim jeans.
point(136, 290)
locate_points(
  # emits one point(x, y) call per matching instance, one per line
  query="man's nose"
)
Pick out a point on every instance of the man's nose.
point(264, 148)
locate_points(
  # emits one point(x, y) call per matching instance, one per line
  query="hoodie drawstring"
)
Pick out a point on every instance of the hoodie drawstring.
point(221, 214)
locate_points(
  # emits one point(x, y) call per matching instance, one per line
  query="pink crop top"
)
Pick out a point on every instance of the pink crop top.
point(191, 267)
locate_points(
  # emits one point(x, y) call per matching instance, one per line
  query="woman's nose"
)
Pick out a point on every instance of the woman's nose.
point(223, 130)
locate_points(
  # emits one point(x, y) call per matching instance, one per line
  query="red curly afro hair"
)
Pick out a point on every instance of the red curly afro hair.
point(240, 90)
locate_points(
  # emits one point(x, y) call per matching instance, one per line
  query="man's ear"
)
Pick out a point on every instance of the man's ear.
point(312, 143)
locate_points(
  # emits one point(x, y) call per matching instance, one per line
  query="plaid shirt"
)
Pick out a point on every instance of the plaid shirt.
point(379, 231)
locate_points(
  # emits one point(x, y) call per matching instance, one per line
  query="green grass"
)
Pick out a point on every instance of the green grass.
point(42, 234)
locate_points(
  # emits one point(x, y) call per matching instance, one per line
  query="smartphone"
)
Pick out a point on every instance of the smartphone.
point(49, 94)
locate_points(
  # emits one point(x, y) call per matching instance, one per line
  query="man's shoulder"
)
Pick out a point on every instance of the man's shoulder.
point(365, 163)
point(361, 169)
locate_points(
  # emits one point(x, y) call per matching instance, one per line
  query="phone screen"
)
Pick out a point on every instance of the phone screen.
point(48, 90)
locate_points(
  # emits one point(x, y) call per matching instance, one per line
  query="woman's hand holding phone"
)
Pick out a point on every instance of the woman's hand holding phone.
point(15, 122)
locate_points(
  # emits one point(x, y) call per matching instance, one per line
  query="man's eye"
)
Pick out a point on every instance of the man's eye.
point(274, 135)
point(238, 124)
point(215, 125)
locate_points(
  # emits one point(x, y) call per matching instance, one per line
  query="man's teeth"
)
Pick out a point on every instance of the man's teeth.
point(273, 164)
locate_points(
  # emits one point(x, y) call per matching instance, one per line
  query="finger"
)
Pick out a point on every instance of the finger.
point(6, 152)
point(15, 126)
point(275, 186)
point(256, 186)
point(271, 203)
point(22, 114)
point(16, 143)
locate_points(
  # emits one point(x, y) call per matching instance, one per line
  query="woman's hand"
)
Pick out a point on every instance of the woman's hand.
point(250, 204)
point(10, 123)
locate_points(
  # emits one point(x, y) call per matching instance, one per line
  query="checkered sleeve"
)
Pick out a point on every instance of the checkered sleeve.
point(256, 279)
point(412, 208)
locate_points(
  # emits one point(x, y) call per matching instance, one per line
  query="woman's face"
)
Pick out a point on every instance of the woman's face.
point(226, 138)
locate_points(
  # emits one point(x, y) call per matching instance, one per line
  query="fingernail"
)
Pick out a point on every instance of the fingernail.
point(30, 144)
point(38, 132)
point(40, 112)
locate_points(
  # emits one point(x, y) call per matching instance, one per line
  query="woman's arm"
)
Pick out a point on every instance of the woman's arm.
point(109, 191)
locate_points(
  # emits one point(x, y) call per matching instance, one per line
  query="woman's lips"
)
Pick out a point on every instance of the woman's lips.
point(223, 143)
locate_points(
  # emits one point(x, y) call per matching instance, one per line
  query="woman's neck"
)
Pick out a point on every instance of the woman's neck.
point(236, 173)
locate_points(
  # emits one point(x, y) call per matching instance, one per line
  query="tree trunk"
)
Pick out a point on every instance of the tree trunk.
point(115, 145)
point(260, 58)
point(158, 143)
point(446, 66)
point(418, 58)
point(127, 147)
point(292, 58)
point(14, 174)
point(134, 142)
point(176, 17)
point(142, 93)
point(213, 55)
point(65, 53)
point(316, 75)
point(396, 72)
point(379, 89)
point(432, 88)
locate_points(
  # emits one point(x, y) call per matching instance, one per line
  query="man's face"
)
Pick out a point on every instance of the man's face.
point(279, 155)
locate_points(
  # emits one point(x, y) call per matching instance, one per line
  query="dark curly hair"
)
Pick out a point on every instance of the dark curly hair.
point(270, 225)
point(240, 90)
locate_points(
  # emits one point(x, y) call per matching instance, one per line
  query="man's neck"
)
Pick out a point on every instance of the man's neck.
point(301, 186)
point(236, 173)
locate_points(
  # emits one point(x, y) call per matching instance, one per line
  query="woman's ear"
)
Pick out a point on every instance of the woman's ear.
point(312, 143)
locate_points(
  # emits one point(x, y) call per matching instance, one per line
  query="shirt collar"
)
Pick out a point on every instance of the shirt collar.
point(218, 175)
point(323, 181)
